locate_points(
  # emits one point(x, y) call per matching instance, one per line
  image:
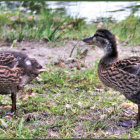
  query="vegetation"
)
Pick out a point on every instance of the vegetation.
point(127, 30)
point(47, 25)
point(56, 26)
point(61, 102)
point(66, 104)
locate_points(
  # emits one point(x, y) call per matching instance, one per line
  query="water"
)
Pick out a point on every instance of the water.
point(93, 10)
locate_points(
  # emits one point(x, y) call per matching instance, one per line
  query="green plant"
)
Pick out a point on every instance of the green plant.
point(127, 30)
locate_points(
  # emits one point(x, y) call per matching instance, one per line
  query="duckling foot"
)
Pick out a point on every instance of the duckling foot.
point(128, 123)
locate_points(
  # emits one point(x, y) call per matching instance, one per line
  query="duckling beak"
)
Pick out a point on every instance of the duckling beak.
point(41, 70)
point(88, 40)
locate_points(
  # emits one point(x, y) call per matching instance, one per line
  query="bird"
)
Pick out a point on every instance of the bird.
point(122, 75)
point(16, 70)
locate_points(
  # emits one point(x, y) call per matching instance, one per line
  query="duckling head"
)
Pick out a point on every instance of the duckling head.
point(103, 38)
point(31, 70)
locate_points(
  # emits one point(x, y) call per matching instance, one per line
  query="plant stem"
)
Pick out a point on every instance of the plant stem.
point(73, 49)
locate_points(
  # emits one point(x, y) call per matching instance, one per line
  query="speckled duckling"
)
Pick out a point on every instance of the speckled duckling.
point(16, 70)
point(122, 75)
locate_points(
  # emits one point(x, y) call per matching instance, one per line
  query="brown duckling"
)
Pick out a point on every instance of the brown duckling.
point(16, 70)
point(122, 75)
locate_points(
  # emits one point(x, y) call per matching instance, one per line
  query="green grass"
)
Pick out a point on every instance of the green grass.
point(66, 105)
point(47, 25)
point(56, 26)
point(127, 30)
point(66, 102)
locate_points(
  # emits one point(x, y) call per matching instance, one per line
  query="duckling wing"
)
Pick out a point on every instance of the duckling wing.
point(10, 78)
point(131, 65)
point(10, 74)
point(8, 59)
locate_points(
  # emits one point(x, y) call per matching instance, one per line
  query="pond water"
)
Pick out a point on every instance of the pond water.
point(92, 10)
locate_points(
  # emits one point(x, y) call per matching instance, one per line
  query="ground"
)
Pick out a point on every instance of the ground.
point(72, 107)
point(48, 53)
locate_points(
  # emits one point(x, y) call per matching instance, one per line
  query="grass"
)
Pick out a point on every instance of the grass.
point(127, 30)
point(47, 25)
point(65, 104)
point(56, 26)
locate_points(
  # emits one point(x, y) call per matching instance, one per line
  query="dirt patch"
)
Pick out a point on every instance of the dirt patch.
point(47, 53)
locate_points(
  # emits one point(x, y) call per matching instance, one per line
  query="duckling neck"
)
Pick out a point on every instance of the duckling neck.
point(111, 54)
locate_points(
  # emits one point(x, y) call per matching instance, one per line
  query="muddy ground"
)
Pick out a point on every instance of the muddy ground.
point(48, 53)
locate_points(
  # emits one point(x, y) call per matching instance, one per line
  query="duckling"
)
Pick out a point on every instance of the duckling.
point(16, 70)
point(121, 75)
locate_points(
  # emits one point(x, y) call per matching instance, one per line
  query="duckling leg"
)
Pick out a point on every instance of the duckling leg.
point(138, 117)
point(13, 109)
point(13, 97)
